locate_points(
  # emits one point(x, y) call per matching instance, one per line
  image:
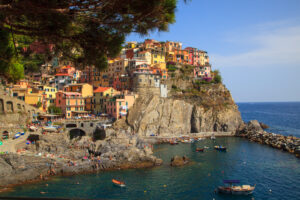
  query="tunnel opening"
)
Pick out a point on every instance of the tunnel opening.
point(75, 133)
point(99, 134)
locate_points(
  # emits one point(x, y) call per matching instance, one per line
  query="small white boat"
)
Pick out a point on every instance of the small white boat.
point(50, 128)
point(118, 183)
point(16, 136)
point(236, 190)
point(33, 128)
point(213, 137)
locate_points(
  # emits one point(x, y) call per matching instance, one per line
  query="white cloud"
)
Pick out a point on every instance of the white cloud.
point(272, 44)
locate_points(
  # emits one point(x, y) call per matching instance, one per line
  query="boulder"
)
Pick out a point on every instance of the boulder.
point(179, 161)
point(263, 126)
point(254, 125)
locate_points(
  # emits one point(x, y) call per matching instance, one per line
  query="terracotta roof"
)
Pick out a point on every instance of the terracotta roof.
point(62, 74)
point(101, 89)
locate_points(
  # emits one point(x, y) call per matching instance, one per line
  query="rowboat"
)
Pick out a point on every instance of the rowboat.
point(235, 190)
point(118, 183)
point(33, 128)
point(199, 149)
point(17, 135)
point(173, 142)
point(50, 128)
point(220, 148)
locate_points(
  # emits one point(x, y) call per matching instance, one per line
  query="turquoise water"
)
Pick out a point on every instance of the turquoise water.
point(269, 169)
point(249, 162)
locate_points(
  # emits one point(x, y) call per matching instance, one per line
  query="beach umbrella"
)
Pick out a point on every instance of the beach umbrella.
point(1, 143)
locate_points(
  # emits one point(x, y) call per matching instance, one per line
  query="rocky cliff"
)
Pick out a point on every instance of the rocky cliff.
point(210, 108)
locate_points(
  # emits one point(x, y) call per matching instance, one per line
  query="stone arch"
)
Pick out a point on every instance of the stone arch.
point(33, 111)
point(99, 134)
point(19, 106)
point(23, 107)
point(71, 125)
point(9, 106)
point(76, 132)
point(1, 106)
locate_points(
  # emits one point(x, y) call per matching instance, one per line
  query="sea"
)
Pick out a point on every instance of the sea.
point(275, 173)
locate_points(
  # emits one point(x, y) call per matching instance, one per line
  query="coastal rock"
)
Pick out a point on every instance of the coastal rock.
point(179, 161)
point(213, 111)
point(264, 126)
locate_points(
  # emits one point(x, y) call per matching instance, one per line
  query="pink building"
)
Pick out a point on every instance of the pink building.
point(118, 106)
point(203, 72)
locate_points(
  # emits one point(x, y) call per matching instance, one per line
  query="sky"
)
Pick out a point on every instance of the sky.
point(254, 43)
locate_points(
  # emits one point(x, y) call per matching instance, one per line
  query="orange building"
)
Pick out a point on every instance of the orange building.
point(71, 103)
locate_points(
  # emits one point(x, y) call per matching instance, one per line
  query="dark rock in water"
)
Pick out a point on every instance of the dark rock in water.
point(179, 161)
point(254, 125)
point(263, 126)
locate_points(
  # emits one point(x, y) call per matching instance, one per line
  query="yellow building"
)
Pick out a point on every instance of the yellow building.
point(49, 94)
point(157, 57)
point(100, 94)
point(131, 45)
point(34, 99)
point(85, 89)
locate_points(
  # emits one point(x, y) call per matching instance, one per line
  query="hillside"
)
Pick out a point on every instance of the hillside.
point(191, 107)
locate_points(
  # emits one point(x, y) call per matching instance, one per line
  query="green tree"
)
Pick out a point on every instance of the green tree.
point(54, 110)
point(38, 104)
point(10, 64)
point(217, 76)
point(86, 32)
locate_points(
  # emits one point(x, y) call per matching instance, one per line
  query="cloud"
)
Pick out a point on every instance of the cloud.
point(272, 44)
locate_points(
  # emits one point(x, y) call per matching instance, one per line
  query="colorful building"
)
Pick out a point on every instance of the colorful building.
point(61, 80)
point(85, 89)
point(100, 94)
point(118, 106)
point(35, 98)
point(71, 103)
point(49, 96)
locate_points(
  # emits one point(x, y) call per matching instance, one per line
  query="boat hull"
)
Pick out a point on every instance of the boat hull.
point(225, 190)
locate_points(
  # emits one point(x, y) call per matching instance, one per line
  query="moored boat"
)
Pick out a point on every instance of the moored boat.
point(220, 148)
point(199, 149)
point(50, 128)
point(173, 142)
point(235, 190)
point(118, 183)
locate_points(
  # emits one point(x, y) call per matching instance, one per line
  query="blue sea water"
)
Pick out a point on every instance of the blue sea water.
point(275, 173)
point(282, 117)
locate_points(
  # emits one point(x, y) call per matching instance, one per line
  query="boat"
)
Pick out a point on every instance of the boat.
point(33, 128)
point(118, 183)
point(235, 190)
point(50, 128)
point(22, 133)
point(212, 137)
point(17, 135)
point(199, 139)
point(173, 142)
point(220, 148)
point(199, 149)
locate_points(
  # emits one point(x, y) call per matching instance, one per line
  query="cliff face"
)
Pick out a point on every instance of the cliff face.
point(210, 109)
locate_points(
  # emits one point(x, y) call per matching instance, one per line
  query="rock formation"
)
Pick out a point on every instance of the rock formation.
point(254, 132)
point(177, 161)
point(212, 109)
